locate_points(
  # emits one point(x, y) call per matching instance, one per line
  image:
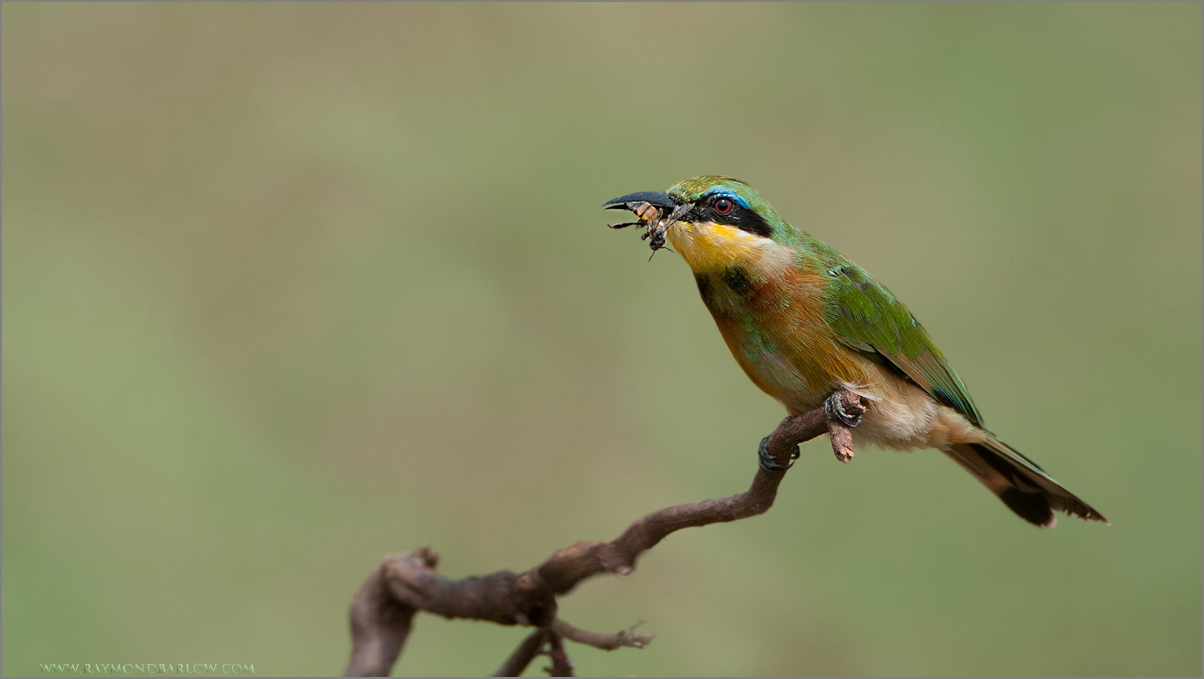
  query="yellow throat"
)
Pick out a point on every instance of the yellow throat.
point(707, 246)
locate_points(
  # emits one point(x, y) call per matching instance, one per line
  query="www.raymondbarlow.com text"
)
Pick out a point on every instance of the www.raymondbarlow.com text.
point(148, 668)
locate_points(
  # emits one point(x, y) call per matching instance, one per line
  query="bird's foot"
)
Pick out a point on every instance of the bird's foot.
point(767, 461)
point(848, 414)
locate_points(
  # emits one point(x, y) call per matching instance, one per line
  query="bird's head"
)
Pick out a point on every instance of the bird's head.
point(716, 222)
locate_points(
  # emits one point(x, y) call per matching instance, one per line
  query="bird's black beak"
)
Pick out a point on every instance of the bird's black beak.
point(661, 200)
point(656, 212)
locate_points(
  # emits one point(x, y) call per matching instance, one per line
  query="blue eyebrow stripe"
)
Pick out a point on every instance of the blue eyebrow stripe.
point(728, 194)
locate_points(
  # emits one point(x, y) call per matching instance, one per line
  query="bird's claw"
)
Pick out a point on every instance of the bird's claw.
point(767, 461)
point(835, 409)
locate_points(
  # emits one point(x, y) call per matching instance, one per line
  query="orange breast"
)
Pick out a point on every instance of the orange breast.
point(777, 333)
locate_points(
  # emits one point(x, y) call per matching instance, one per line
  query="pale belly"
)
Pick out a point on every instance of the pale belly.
point(898, 415)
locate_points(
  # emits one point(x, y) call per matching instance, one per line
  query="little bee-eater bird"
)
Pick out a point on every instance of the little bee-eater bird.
point(804, 322)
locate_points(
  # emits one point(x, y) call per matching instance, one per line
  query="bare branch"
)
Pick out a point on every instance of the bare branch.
point(561, 665)
point(523, 655)
point(605, 642)
point(380, 625)
point(383, 610)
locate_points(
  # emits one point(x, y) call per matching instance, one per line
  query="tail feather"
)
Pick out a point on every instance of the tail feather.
point(1019, 482)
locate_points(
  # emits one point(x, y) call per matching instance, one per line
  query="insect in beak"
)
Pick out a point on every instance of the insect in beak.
point(650, 208)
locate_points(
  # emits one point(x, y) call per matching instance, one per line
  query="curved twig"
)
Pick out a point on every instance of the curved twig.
point(606, 642)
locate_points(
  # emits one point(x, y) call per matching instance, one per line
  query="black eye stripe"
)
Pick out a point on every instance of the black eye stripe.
point(738, 216)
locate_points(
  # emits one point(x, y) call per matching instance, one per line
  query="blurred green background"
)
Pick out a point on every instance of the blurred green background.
point(287, 288)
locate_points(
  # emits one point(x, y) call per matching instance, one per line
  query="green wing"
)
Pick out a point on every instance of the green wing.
point(868, 318)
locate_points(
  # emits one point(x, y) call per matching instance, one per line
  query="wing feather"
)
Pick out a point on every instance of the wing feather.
point(867, 317)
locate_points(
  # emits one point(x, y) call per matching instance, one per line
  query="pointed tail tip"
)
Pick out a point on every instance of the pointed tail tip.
point(1052, 520)
point(1021, 484)
point(1072, 505)
point(1093, 515)
point(1041, 510)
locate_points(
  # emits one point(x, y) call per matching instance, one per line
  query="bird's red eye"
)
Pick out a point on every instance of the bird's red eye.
point(723, 206)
